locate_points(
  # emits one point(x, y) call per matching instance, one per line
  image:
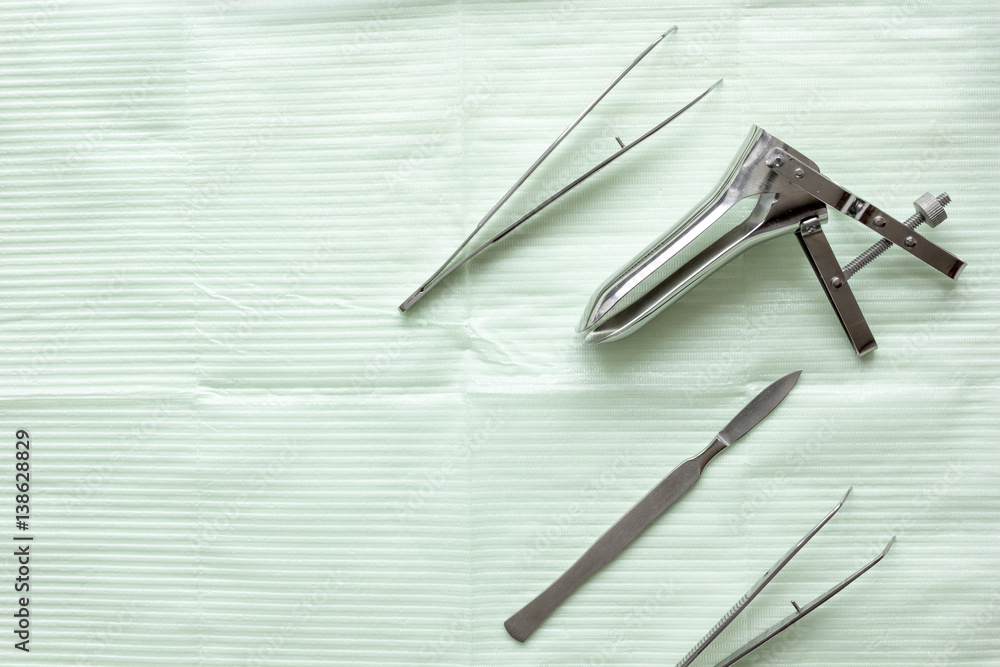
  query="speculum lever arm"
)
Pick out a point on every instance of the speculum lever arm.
point(831, 277)
point(804, 176)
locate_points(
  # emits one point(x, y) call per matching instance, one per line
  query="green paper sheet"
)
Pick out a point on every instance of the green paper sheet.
point(243, 454)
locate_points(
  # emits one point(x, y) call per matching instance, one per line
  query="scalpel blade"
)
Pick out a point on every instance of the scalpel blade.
point(666, 493)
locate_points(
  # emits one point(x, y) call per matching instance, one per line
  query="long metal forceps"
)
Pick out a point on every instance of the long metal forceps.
point(453, 263)
point(800, 610)
point(793, 196)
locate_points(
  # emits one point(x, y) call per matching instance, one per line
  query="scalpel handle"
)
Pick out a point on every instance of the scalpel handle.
point(667, 492)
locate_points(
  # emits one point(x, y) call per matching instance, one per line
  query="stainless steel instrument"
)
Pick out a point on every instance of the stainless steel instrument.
point(800, 610)
point(792, 197)
point(666, 493)
point(453, 263)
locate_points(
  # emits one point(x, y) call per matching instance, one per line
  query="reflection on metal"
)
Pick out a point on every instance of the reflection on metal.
point(793, 196)
point(452, 263)
point(800, 610)
point(656, 502)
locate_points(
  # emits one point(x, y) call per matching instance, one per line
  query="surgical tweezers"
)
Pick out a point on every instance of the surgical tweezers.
point(451, 264)
point(800, 610)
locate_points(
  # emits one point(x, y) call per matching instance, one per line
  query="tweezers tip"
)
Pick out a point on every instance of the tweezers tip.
point(669, 32)
point(889, 546)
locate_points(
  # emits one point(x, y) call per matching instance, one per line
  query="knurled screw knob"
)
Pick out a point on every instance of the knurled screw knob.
point(930, 209)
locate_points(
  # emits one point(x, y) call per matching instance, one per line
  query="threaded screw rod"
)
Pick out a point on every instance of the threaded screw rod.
point(914, 221)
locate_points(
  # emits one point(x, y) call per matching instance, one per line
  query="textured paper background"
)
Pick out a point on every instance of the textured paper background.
point(242, 454)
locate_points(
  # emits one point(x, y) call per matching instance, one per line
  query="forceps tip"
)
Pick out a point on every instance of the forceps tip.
point(842, 501)
point(888, 546)
point(849, 489)
point(669, 32)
